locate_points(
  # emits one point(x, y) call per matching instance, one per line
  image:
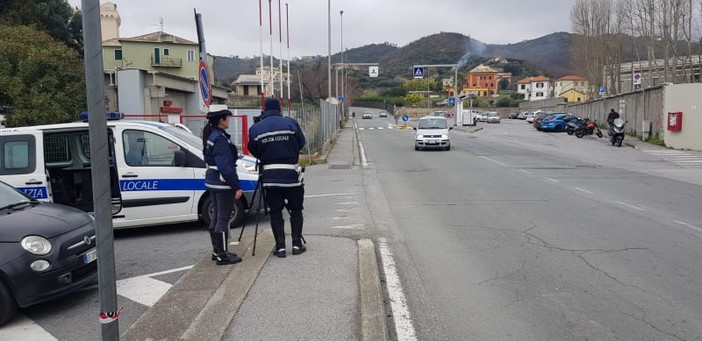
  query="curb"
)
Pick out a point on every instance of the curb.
point(373, 327)
point(211, 304)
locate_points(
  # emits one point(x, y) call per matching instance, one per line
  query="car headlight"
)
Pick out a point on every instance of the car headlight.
point(444, 136)
point(36, 245)
point(419, 137)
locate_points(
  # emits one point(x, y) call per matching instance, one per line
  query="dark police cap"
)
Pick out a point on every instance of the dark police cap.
point(271, 104)
point(215, 115)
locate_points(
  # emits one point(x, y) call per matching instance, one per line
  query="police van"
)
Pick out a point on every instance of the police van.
point(157, 171)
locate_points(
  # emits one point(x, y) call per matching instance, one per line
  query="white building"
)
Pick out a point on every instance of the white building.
point(535, 88)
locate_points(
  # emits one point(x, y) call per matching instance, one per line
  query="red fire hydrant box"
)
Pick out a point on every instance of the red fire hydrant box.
point(675, 121)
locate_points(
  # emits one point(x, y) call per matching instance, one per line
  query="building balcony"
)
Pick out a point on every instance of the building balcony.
point(166, 62)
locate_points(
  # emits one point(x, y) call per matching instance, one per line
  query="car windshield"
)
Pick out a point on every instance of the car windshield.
point(432, 123)
point(9, 196)
point(185, 136)
point(493, 114)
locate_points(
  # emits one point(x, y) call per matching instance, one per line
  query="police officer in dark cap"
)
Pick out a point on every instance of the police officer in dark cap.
point(277, 141)
point(221, 181)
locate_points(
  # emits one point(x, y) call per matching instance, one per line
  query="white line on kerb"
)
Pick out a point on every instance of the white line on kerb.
point(687, 225)
point(400, 312)
point(493, 160)
point(553, 180)
point(364, 162)
point(526, 171)
point(630, 206)
point(327, 195)
point(583, 190)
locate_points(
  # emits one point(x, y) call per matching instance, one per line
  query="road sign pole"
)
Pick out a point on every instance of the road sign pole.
point(100, 168)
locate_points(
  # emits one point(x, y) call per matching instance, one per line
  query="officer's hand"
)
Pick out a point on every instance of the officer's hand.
point(238, 194)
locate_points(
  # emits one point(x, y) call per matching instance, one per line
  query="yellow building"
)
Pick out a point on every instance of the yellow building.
point(580, 88)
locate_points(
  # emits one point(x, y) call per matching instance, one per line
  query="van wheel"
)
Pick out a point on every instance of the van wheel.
point(8, 305)
point(206, 212)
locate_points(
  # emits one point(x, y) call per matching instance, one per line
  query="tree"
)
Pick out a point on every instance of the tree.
point(413, 99)
point(40, 78)
point(55, 17)
point(503, 84)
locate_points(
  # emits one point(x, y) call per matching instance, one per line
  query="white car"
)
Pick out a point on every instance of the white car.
point(432, 132)
point(530, 117)
point(367, 115)
point(481, 117)
point(493, 117)
point(383, 114)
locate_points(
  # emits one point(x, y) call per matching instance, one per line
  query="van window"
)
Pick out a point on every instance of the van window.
point(17, 155)
point(142, 148)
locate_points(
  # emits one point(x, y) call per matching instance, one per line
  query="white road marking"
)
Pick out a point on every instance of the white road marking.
point(552, 180)
point(22, 328)
point(583, 190)
point(380, 128)
point(364, 162)
point(526, 171)
point(166, 272)
point(630, 206)
point(371, 128)
point(493, 160)
point(347, 203)
point(142, 289)
point(361, 128)
point(699, 229)
point(348, 227)
point(400, 311)
point(327, 195)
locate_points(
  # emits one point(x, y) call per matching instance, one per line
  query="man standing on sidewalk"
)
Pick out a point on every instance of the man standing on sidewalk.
point(277, 141)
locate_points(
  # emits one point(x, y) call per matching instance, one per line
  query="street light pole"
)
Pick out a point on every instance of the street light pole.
point(329, 90)
point(343, 67)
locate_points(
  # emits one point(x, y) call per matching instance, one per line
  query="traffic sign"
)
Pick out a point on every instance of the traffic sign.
point(602, 91)
point(452, 100)
point(418, 72)
point(637, 78)
point(341, 99)
point(405, 118)
point(373, 71)
point(204, 84)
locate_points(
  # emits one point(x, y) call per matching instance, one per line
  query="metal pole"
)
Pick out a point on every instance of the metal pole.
point(100, 168)
point(260, 25)
point(271, 85)
point(343, 67)
point(329, 47)
point(287, 35)
point(280, 36)
point(455, 96)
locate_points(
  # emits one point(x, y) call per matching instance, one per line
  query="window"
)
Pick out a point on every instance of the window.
point(166, 52)
point(191, 56)
point(539, 85)
point(118, 54)
point(655, 81)
point(579, 99)
point(17, 155)
point(490, 77)
point(492, 85)
point(539, 94)
point(142, 148)
point(523, 87)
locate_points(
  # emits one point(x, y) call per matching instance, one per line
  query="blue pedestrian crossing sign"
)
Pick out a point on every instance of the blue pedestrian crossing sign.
point(418, 72)
point(452, 100)
point(341, 99)
point(602, 91)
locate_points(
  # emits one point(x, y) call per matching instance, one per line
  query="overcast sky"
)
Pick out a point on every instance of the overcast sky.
point(232, 26)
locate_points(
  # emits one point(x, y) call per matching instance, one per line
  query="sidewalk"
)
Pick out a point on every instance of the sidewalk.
point(331, 292)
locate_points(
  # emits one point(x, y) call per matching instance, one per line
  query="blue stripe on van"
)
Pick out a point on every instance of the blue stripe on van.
point(174, 185)
point(35, 192)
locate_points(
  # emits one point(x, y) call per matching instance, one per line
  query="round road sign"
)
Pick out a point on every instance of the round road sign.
point(405, 118)
point(204, 84)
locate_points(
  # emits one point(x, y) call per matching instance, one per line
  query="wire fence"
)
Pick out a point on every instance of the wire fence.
point(319, 123)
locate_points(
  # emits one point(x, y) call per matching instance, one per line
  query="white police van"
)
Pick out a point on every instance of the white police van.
point(157, 170)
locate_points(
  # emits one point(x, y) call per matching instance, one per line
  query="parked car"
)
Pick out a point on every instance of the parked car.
point(46, 250)
point(513, 115)
point(481, 117)
point(538, 117)
point(522, 115)
point(556, 122)
point(367, 115)
point(383, 114)
point(492, 117)
point(530, 117)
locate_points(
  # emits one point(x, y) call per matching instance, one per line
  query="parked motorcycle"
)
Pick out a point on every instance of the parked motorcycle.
point(588, 128)
point(616, 132)
point(573, 125)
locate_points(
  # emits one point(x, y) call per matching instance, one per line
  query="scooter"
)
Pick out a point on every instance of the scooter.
point(588, 128)
point(616, 132)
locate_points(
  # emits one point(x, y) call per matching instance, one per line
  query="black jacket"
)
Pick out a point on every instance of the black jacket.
point(277, 140)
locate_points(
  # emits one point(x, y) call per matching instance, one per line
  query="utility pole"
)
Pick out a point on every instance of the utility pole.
point(100, 169)
point(329, 47)
point(343, 68)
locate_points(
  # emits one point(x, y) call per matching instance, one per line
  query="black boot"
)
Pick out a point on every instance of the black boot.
point(296, 232)
point(213, 237)
point(278, 227)
point(224, 257)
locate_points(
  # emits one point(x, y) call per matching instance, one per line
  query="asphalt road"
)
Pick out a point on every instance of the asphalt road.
point(522, 235)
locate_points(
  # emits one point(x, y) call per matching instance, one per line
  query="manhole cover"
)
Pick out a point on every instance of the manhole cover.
point(339, 166)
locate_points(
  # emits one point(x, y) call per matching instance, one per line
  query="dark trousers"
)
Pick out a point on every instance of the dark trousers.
point(291, 198)
point(223, 204)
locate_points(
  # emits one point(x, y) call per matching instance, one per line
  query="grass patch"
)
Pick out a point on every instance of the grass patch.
point(656, 140)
